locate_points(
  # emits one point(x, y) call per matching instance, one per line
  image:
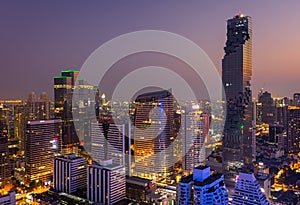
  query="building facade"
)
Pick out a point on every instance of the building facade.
point(63, 90)
point(42, 144)
point(12, 123)
point(108, 142)
point(69, 173)
point(138, 188)
point(8, 199)
point(5, 169)
point(153, 134)
point(236, 77)
point(38, 108)
point(265, 108)
point(202, 188)
point(248, 191)
point(195, 131)
point(106, 183)
point(293, 133)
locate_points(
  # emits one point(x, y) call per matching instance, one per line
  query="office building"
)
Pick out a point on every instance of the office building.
point(248, 191)
point(195, 131)
point(42, 144)
point(83, 111)
point(293, 133)
point(8, 199)
point(38, 108)
point(5, 169)
point(154, 132)
point(202, 188)
point(282, 111)
point(138, 188)
point(236, 77)
point(276, 135)
point(69, 173)
point(296, 99)
point(113, 126)
point(265, 181)
point(63, 90)
point(9, 126)
point(265, 108)
point(106, 183)
point(19, 125)
point(108, 142)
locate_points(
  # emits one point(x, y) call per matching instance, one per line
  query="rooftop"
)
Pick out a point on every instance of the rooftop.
point(108, 167)
point(70, 71)
point(209, 180)
point(69, 157)
point(137, 180)
point(187, 179)
point(151, 96)
point(58, 76)
point(201, 167)
point(262, 176)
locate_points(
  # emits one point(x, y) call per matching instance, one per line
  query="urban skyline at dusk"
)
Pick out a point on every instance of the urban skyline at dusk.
point(149, 103)
point(40, 39)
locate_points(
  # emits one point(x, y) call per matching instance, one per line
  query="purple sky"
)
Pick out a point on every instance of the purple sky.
point(40, 38)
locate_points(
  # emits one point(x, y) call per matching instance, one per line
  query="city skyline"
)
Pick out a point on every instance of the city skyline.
point(65, 34)
point(187, 131)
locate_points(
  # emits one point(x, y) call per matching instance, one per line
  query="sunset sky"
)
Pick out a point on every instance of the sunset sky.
point(40, 38)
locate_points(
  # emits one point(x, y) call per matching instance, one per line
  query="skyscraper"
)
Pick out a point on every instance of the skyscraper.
point(106, 183)
point(194, 133)
point(42, 144)
point(37, 108)
point(236, 77)
point(69, 173)
point(296, 99)
point(293, 133)
point(202, 188)
point(237, 62)
point(63, 90)
point(83, 111)
point(248, 191)
point(5, 171)
point(19, 125)
point(282, 119)
point(12, 126)
point(108, 142)
point(153, 134)
point(8, 124)
point(265, 108)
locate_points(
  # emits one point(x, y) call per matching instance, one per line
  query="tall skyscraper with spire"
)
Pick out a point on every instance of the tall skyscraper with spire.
point(236, 77)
